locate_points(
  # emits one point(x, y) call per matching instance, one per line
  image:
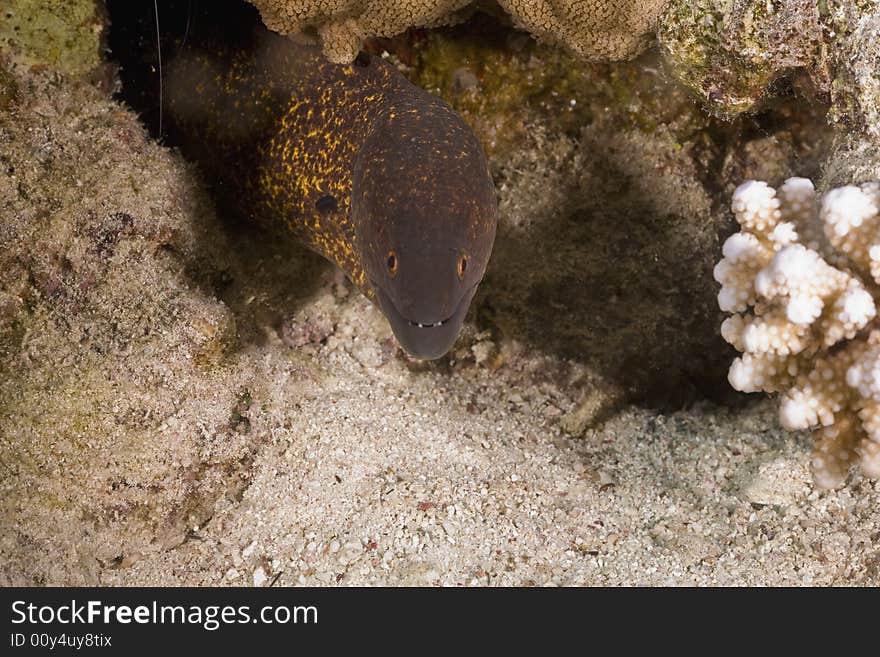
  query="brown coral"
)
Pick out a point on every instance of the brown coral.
point(595, 29)
point(342, 25)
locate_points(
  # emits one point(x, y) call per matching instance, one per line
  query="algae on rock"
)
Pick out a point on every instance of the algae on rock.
point(196, 403)
point(102, 338)
point(66, 35)
point(730, 52)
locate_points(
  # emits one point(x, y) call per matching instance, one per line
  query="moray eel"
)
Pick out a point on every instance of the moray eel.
point(370, 171)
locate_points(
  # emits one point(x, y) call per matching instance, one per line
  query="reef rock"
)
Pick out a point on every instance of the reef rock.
point(731, 52)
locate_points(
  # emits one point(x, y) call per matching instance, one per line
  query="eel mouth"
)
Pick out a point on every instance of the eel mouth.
point(420, 325)
point(425, 340)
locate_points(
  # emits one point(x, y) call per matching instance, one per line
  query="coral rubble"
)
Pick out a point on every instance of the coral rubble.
point(801, 279)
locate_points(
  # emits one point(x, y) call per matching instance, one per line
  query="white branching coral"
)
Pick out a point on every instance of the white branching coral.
point(801, 280)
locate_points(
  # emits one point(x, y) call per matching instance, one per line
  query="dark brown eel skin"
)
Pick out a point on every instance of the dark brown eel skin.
point(368, 170)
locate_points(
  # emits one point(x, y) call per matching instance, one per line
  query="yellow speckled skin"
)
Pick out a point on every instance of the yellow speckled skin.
point(353, 160)
point(276, 131)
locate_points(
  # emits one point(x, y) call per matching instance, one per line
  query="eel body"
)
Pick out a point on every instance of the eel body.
point(370, 171)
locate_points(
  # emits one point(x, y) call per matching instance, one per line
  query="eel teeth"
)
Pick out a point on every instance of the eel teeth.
point(420, 325)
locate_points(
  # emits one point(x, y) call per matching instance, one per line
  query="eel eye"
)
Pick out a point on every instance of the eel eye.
point(392, 263)
point(462, 266)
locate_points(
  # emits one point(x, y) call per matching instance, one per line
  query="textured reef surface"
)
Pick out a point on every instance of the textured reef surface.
point(734, 53)
point(603, 29)
point(184, 400)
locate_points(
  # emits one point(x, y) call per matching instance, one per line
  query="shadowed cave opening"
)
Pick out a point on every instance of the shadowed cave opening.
point(584, 284)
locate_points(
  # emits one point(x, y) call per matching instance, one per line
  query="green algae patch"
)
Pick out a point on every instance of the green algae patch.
point(498, 90)
point(503, 82)
point(65, 35)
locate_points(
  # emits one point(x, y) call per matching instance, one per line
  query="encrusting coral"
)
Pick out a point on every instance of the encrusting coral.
point(594, 29)
point(802, 279)
point(342, 25)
